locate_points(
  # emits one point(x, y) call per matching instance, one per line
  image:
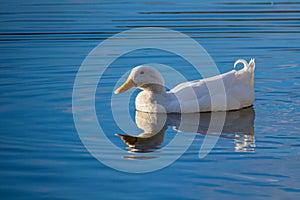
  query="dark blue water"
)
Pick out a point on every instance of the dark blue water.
point(43, 44)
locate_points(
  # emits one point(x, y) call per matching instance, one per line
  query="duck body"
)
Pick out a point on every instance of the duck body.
point(229, 91)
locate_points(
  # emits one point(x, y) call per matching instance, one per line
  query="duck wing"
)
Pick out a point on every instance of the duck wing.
point(235, 88)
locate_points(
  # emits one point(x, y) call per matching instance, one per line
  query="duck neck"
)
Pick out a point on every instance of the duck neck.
point(155, 88)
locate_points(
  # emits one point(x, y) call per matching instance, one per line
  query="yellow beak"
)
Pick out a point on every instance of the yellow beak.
point(126, 86)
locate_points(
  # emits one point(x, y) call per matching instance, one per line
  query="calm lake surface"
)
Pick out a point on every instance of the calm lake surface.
point(43, 44)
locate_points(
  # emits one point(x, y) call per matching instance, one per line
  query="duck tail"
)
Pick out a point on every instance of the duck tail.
point(251, 65)
point(247, 66)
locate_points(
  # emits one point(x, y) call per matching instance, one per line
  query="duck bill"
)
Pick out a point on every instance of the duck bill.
point(126, 86)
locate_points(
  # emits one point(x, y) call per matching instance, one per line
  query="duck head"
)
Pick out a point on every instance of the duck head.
point(146, 78)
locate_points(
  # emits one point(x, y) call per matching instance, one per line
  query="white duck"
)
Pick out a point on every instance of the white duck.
point(236, 91)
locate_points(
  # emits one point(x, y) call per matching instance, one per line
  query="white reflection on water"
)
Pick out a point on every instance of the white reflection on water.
point(238, 127)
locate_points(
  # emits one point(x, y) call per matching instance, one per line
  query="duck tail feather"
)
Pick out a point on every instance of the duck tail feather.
point(251, 65)
point(244, 62)
point(247, 66)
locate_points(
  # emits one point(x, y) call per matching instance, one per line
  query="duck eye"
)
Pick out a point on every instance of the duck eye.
point(142, 72)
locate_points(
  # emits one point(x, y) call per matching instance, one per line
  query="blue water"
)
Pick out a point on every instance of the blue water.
point(43, 44)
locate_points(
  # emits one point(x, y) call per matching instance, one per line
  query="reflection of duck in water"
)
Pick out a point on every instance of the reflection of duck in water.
point(238, 125)
point(154, 126)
